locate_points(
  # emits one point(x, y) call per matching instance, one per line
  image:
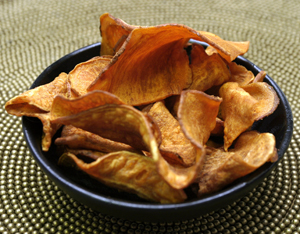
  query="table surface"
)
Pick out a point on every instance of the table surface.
point(34, 34)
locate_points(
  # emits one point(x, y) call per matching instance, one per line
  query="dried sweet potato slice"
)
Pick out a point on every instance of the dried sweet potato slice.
point(63, 106)
point(240, 74)
point(85, 73)
point(197, 115)
point(174, 146)
point(242, 106)
point(221, 168)
point(129, 172)
point(207, 70)
point(113, 32)
point(77, 138)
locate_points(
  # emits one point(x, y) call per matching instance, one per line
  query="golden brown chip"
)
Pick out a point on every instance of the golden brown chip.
point(126, 124)
point(221, 168)
point(207, 71)
point(197, 115)
point(174, 146)
point(240, 74)
point(260, 77)
point(114, 32)
point(129, 172)
point(242, 106)
point(39, 99)
point(85, 73)
point(229, 50)
point(219, 128)
point(37, 103)
point(76, 138)
point(63, 106)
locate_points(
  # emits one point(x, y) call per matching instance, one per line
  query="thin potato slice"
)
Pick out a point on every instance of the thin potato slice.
point(114, 32)
point(174, 145)
point(240, 74)
point(76, 138)
point(229, 50)
point(242, 106)
point(37, 103)
point(125, 124)
point(63, 106)
point(85, 73)
point(221, 168)
point(39, 99)
point(197, 115)
point(129, 172)
point(207, 70)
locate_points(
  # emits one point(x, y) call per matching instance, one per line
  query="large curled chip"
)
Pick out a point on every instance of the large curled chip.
point(130, 172)
point(221, 168)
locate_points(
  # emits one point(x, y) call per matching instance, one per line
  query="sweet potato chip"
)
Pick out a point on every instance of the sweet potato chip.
point(221, 168)
point(229, 50)
point(174, 146)
point(242, 106)
point(77, 138)
point(114, 32)
point(39, 99)
point(129, 172)
point(85, 73)
point(260, 77)
point(125, 124)
point(197, 115)
point(37, 103)
point(240, 74)
point(63, 106)
point(207, 71)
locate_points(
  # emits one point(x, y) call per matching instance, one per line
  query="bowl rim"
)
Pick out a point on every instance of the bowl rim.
point(149, 211)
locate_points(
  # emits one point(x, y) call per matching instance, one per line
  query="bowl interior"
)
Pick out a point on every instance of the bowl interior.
point(113, 202)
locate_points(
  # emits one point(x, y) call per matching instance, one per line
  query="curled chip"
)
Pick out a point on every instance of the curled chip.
point(76, 138)
point(175, 147)
point(207, 70)
point(63, 106)
point(221, 168)
point(85, 73)
point(130, 172)
point(240, 74)
point(114, 32)
point(37, 103)
point(197, 115)
point(242, 106)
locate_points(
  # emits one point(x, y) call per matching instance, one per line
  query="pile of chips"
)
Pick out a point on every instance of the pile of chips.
point(142, 116)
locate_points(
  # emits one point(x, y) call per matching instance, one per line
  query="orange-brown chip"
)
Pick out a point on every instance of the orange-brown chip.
point(221, 168)
point(37, 103)
point(63, 106)
point(207, 70)
point(39, 99)
point(197, 115)
point(77, 138)
point(114, 32)
point(85, 73)
point(129, 172)
point(260, 77)
point(242, 106)
point(175, 146)
point(229, 50)
point(240, 74)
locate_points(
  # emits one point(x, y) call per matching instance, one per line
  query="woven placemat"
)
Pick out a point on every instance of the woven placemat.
point(34, 34)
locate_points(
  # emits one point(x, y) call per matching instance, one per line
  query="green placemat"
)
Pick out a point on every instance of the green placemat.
point(34, 34)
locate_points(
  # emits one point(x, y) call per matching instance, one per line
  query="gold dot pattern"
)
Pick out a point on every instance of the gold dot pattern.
point(34, 34)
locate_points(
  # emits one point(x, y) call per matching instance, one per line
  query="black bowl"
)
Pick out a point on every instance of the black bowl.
point(120, 204)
